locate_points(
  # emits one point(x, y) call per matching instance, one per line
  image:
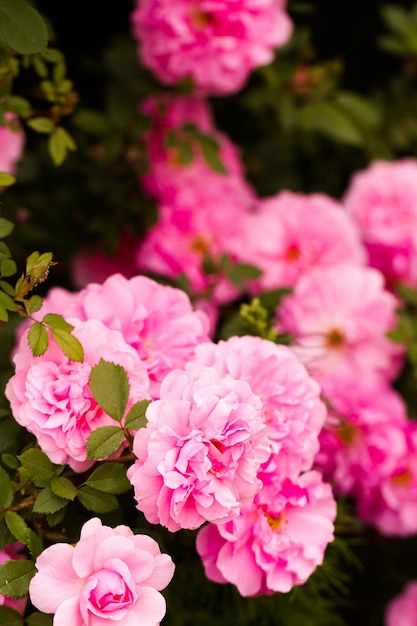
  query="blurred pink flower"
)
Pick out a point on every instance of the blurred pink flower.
point(276, 542)
point(291, 405)
point(215, 44)
point(198, 457)
point(388, 497)
point(109, 576)
point(12, 141)
point(192, 184)
point(11, 552)
point(402, 610)
point(51, 398)
point(382, 200)
point(339, 317)
point(291, 234)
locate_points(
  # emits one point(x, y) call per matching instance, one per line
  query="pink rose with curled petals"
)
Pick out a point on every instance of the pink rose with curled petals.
point(277, 541)
point(216, 44)
point(50, 394)
point(198, 457)
point(12, 141)
point(402, 610)
point(109, 576)
point(291, 407)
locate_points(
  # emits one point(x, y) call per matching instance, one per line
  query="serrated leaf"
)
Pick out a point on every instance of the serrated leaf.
point(6, 490)
point(34, 544)
point(69, 345)
point(7, 288)
point(38, 339)
point(110, 386)
point(6, 227)
point(34, 304)
point(37, 464)
point(15, 577)
point(6, 180)
point(22, 28)
point(10, 617)
point(63, 487)
point(7, 302)
point(4, 316)
point(55, 518)
point(53, 320)
point(104, 441)
point(136, 417)
point(9, 460)
point(97, 501)
point(17, 526)
point(109, 478)
point(39, 619)
point(8, 267)
point(41, 124)
point(48, 502)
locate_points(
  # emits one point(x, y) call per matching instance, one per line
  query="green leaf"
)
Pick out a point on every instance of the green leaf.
point(110, 386)
point(55, 518)
point(41, 125)
point(109, 478)
point(17, 526)
point(210, 149)
point(63, 487)
point(69, 345)
point(7, 302)
point(37, 464)
point(34, 544)
point(48, 502)
point(39, 619)
point(34, 304)
point(9, 460)
point(239, 273)
point(21, 27)
point(7, 288)
point(136, 417)
point(4, 316)
point(8, 267)
point(104, 441)
point(60, 141)
point(332, 121)
point(19, 105)
point(97, 501)
point(6, 227)
point(6, 490)
point(53, 320)
point(6, 179)
point(10, 617)
point(364, 112)
point(15, 577)
point(38, 339)
point(91, 121)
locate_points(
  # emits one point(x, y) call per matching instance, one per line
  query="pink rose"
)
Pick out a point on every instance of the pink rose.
point(402, 610)
point(198, 457)
point(216, 44)
point(109, 576)
point(12, 140)
point(277, 541)
point(50, 395)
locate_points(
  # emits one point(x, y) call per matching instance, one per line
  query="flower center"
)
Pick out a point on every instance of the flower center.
point(335, 338)
point(347, 433)
point(199, 245)
point(274, 523)
point(403, 478)
point(292, 253)
point(201, 19)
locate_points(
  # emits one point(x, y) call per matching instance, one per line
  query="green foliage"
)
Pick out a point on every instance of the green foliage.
point(104, 441)
point(10, 617)
point(136, 416)
point(96, 500)
point(109, 478)
point(109, 385)
point(15, 577)
point(6, 490)
point(21, 27)
point(39, 619)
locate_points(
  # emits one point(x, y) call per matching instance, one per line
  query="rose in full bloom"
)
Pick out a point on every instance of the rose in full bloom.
point(198, 457)
point(388, 497)
point(12, 141)
point(216, 44)
point(363, 432)
point(277, 541)
point(11, 552)
point(339, 317)
point(291, 234)
point(50, 395)
point(382, 200)
point(158, 321)
point(111, 576)
point(291, 405)
point(402, 610)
